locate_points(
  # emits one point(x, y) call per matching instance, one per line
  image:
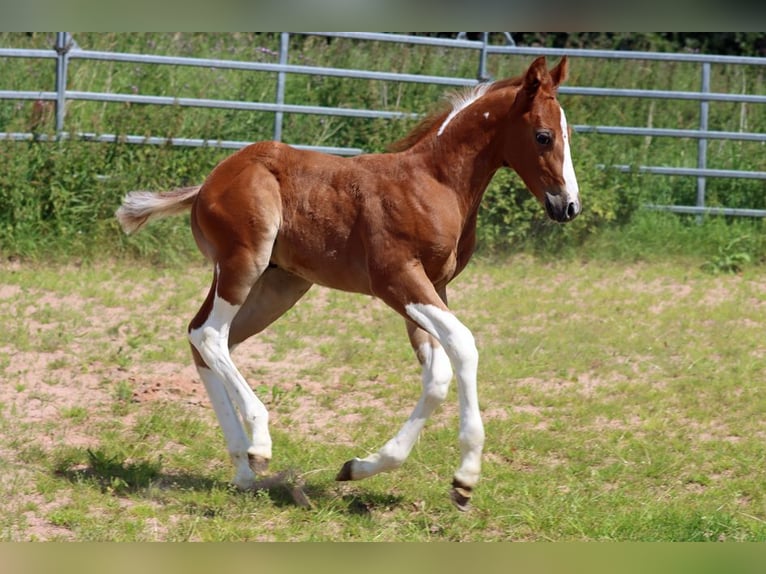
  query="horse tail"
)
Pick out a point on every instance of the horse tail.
point(139, 207)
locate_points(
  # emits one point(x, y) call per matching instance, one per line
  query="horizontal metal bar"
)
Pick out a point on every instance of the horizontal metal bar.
point(574, 91)
point(26, 95)
point(27, 53)
point(663, 132)
point(475, 44)
point(627, 55)
point(269, 67)
point(660, 170)
point(403, 38)
point(662, 94)
point(24, 136)
point(156, 140)
point(694, 210)
point(237, 105)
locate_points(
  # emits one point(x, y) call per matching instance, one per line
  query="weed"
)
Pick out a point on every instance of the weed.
point(731, 258)
point(76, 413)
point(58, 363)
point(123, 392)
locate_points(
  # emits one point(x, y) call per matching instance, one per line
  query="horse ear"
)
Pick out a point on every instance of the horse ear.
point(560, 72)
point(535, 76)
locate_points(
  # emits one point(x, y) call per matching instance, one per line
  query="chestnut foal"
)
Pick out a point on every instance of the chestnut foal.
point(400, 226)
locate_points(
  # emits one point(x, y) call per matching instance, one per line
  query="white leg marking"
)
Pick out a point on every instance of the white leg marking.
point(459, 344)
point(236, 440)
point(211, 340)
point(437, 374)
point(570, 180)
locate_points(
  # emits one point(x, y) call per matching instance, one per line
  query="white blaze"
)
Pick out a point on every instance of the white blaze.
point(570, 181)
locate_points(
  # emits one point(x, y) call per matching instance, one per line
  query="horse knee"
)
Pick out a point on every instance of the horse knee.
point(196, 336)
point(462, 349)
point(457, 339)
point(206, 342)
point(437, 373)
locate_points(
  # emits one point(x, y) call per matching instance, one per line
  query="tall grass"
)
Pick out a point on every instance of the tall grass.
point(58, 199)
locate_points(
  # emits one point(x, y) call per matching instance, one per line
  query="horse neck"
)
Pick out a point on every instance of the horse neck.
point(467, 153)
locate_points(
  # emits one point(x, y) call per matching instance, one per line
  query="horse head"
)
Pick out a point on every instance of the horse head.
point(539, 148)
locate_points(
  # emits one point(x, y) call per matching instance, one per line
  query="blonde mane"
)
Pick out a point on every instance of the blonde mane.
point(452, 105)
point(461, 100)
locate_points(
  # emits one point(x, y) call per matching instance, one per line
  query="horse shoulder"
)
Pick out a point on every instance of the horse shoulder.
point(408, 219)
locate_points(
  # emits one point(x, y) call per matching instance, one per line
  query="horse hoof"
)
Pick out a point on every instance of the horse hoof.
point(345, 472)
point(258, 464)
point(461, 496)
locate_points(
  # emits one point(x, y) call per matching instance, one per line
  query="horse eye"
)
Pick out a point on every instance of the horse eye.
point(543, 138)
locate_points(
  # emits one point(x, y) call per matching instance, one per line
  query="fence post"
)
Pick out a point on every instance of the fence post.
point(63, 44)
point(702, 143)
point(483, 75)
point(284, 43)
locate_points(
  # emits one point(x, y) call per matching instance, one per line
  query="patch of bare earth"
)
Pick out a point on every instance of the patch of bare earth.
point(56, 390)
point(72, 359)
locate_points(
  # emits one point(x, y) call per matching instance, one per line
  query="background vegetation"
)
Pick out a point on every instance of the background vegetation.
point(59, 199)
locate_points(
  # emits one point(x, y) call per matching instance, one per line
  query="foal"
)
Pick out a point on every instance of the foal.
point(400, 226)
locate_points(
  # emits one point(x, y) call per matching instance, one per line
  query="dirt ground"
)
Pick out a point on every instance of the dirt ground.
point(69, 348)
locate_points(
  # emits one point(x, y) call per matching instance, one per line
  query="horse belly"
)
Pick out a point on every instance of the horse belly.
point(337, 263)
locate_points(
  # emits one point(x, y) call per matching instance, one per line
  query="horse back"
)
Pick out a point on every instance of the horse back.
point(340, 220)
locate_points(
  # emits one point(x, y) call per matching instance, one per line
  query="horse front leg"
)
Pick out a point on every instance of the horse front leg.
point(460, 346)
point(436, 376)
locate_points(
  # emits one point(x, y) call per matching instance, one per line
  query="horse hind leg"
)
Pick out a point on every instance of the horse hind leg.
point(247, 435)
point(436, 376)
point(236, 439)
point(273, 294)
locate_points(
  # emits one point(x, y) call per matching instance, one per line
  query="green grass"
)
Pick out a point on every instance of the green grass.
point(622, 401)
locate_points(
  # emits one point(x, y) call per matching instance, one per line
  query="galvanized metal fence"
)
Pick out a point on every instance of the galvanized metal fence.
point(66, 49)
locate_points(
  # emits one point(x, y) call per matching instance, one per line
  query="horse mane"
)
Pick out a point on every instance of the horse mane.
point(423, 127)
point(454, 101)
point(508, 83)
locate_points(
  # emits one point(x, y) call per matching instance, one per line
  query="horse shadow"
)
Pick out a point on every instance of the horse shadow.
point(286, 488)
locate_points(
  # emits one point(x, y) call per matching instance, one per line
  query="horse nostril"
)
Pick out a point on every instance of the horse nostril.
point(559, 209)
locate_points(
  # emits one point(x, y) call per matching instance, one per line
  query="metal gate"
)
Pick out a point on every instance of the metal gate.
point(66, 50)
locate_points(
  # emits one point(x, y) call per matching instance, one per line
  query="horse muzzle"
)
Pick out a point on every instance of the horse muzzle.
point(561, 207)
